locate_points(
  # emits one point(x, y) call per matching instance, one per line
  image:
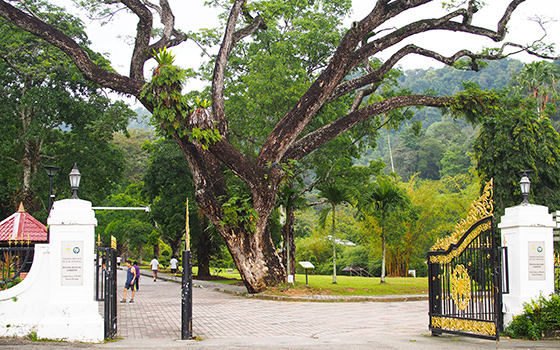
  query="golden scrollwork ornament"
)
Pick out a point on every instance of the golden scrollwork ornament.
point(461, 287)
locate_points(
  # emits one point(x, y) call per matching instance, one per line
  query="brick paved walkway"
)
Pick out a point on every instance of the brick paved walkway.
point(156, 314)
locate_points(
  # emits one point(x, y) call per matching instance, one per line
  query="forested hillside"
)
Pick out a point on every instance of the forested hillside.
point(433, 144)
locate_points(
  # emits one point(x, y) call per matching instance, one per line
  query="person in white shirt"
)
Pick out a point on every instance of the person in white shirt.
point(155, 267)
point(173, 266)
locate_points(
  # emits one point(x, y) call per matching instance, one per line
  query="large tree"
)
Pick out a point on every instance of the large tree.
point(50, 114)
point(203, 134)
point(515, 135)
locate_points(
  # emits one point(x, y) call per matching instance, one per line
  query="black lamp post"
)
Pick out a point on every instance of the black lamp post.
point(75, 181)
point(525, 185)
point(51, 171)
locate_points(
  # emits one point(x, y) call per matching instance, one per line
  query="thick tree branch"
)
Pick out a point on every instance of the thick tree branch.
point(218, 86)
point(206, 176)
point(255, 24)
point(80, 58)
point(319, 137)
point(294, 122)
point(170, 36)
point(144, 28)
point(443, 23)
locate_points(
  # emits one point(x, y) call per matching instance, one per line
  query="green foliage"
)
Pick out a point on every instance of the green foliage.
point(7, 285)
point(334, 195)
point(132, 229)
point(163, 57)
point(238, 209)
point(170, 106)
point(206, 137)
point(473, 103)
point(517, 137)
point(136, 158)
point(540, 316)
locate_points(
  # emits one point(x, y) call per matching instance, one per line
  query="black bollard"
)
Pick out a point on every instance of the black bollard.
point(186, 297)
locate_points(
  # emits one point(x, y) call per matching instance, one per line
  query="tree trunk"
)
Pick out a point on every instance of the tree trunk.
point(203, 252)
point(333, 246)
point(383, 254)
point(156, 250)
point(289, 242)
point(255, 257)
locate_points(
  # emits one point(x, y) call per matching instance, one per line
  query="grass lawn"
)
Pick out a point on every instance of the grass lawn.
point(352, 285)
point(322, 284)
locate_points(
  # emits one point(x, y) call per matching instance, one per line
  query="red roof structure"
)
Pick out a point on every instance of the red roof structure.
point(22, 227)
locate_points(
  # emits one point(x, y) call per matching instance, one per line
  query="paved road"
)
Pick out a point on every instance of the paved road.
point(156, 315)
point(226, 321)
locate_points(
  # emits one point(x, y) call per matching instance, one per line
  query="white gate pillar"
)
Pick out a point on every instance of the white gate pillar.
point(72, 312)
point(527, 234)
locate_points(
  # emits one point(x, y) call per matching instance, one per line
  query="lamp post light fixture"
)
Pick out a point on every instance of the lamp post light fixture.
point(51, 171)
point(75, 181)
point(525, 185)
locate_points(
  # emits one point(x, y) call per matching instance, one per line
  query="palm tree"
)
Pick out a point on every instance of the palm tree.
point(379, 200)
point(289, 200)
point(334, 196)
point(540, 80)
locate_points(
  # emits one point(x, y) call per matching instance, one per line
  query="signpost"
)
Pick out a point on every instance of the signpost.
point(306, 265)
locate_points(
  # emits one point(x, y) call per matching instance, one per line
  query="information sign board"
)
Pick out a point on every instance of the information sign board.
point(537, 271)
point(72, 263)
point(306, 264)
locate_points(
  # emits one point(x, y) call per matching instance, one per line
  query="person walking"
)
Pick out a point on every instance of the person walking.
point(135, 265)
point(130, 281)
point(173, 263)
point(155, 266)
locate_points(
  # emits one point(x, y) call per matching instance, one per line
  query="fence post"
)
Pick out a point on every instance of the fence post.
point(186, 297)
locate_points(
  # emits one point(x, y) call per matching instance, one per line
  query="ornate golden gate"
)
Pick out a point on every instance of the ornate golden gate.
point(464, 276)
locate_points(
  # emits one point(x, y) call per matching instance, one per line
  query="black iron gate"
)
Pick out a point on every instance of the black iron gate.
point(14, 262)
point(464, 272)
point(106, 287)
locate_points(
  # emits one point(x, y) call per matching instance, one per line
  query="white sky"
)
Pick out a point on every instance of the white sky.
point(192, 15)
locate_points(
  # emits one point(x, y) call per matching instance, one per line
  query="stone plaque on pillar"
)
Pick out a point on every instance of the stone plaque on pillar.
point(537, 269)
point(72, 263)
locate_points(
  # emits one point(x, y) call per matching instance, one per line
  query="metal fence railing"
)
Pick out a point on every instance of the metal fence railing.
point(15, 262)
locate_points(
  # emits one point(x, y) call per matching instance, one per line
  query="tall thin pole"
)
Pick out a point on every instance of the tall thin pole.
point(187, 229)
point(50, 195)
point(186, 290)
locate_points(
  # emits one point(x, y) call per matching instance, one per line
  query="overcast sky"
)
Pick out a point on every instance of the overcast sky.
point(192, 15)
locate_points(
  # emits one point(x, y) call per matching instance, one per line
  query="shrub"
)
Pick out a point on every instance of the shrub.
point(539, 318)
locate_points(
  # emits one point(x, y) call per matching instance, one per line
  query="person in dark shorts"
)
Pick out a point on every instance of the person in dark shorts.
point(173, 263)
point(130, 281)
point(155, 266)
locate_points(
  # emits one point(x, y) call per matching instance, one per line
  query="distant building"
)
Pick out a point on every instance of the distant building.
point(18, 235)
point(21, 228)
point(341, 241)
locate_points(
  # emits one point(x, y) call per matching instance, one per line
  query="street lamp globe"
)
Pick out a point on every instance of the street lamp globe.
point(525, 185)
point(75, 181)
